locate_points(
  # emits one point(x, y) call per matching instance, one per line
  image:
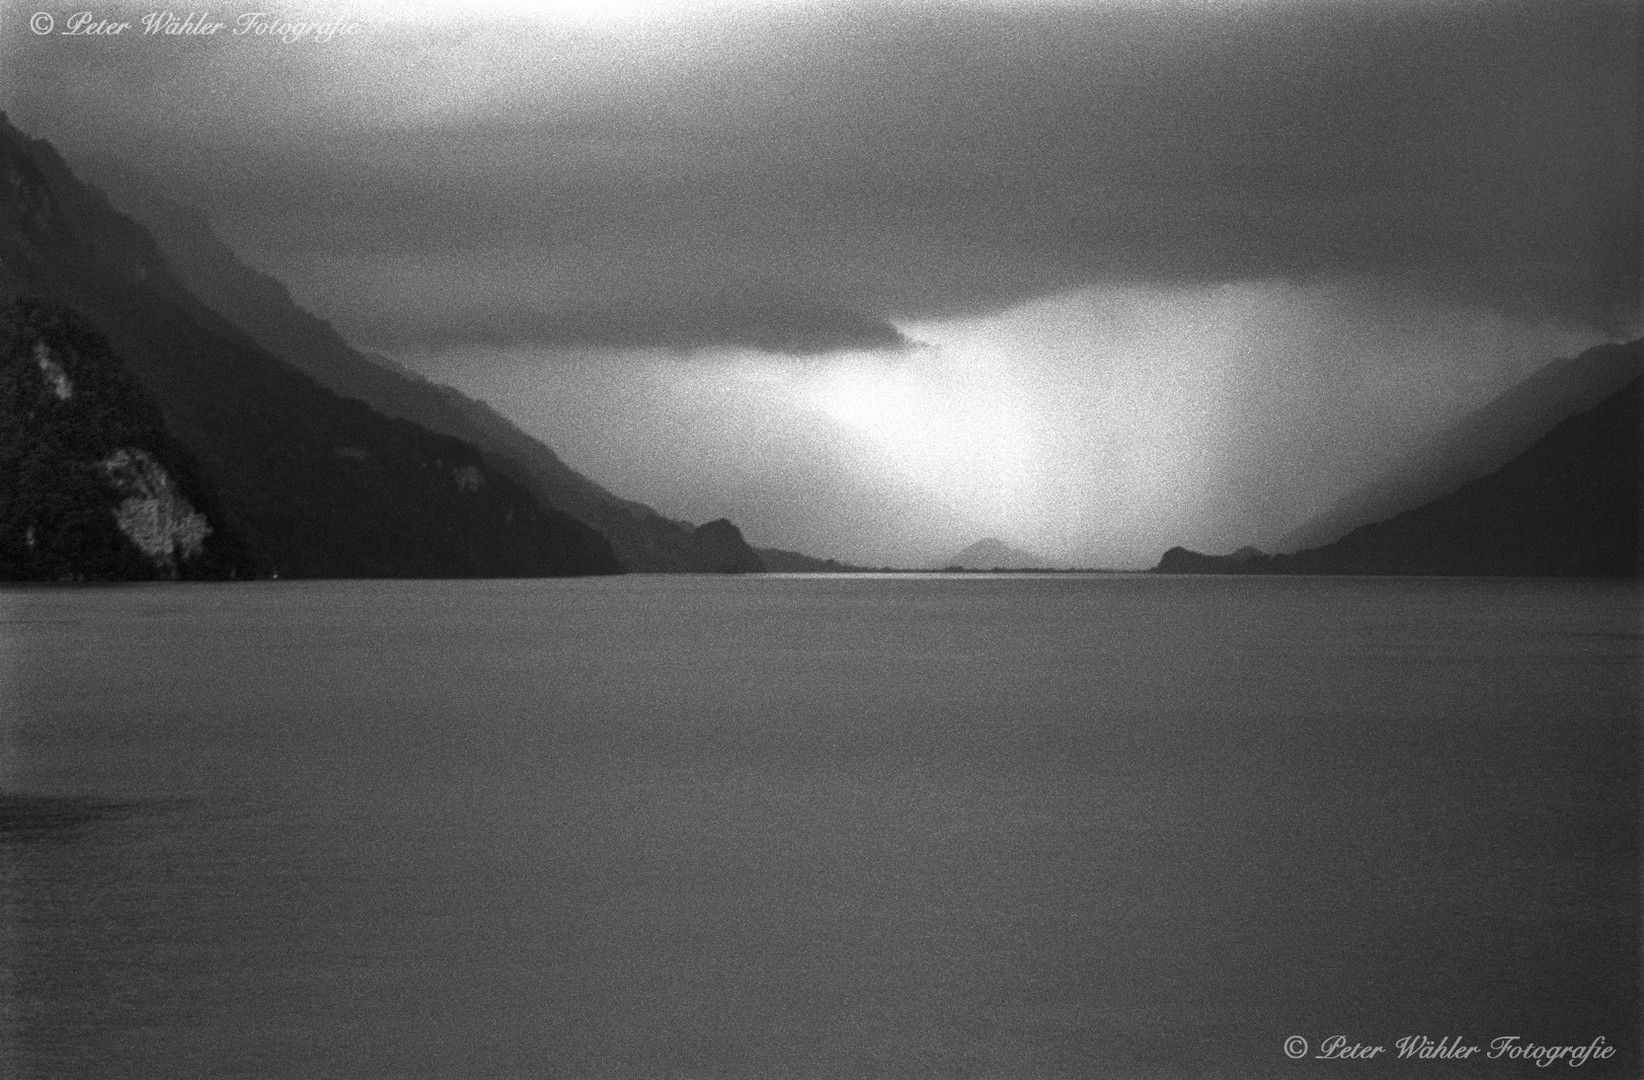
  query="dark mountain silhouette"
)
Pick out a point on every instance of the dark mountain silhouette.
point(1482, 442)
point(779, 561)
point(993, 554)
point(1566, 507)
point(315, 484)
point(92, 486)
point(643, 539)
point(718, 547)
point(1180, 560)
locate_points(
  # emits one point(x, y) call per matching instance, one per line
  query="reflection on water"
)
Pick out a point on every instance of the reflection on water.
point(811, 827)
point(31, 818)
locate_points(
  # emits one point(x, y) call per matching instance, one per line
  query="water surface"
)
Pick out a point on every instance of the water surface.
point(767, 827)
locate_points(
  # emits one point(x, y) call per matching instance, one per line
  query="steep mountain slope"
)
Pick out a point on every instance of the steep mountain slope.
point(1485, 440)
point(92, 486)
point(1568, 506)
point(643, 539)
point(316, 485)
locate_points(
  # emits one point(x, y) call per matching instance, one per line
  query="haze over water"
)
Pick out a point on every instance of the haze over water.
point(909, 826)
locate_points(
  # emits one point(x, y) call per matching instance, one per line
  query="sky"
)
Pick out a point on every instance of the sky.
point(876, 280)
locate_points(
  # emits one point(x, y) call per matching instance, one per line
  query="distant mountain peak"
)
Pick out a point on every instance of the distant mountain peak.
point(992, 553)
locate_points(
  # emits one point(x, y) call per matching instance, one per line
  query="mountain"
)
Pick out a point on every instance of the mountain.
point(992, 554)
point(1568, 506)
point(643, 539)
point(1482, 442)
point(779, 561)
point(92, 485)
point(718, 547)
point(316, 485)
point(1180, 560)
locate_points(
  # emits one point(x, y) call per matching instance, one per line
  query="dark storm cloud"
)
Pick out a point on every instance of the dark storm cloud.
point(793, 181)
point(681, 319)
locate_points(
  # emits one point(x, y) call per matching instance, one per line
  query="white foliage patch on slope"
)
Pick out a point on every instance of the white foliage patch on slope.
point(154, 515)
point(56, 377)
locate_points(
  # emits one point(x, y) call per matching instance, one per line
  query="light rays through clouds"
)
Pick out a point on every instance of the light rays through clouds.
point(876, 279)
point(1092, 426)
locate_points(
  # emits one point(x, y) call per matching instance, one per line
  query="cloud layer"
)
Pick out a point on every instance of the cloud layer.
point(801, 180)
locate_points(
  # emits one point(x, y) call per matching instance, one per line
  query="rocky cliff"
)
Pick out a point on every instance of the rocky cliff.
point(92, 485)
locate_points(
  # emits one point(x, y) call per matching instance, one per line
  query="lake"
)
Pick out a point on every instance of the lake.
point(968, 826)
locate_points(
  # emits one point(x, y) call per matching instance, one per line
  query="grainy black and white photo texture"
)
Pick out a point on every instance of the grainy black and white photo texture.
point(815, 539)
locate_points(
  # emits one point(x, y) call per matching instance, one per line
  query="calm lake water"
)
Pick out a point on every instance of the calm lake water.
point(771, 827)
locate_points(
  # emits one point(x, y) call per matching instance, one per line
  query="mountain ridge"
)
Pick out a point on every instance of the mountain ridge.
point(1479, 442)
point(1568, 506)
point(316, 484)
point(642, 538)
